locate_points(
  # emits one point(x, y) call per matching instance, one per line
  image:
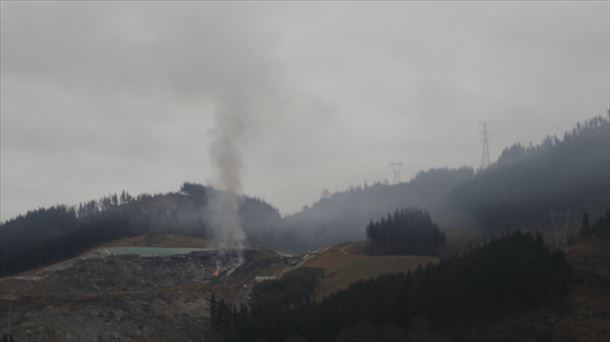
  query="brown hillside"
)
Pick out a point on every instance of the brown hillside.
point(346, 264)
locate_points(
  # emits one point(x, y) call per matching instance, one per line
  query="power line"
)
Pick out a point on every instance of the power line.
point(485, 159)
point(396, 166)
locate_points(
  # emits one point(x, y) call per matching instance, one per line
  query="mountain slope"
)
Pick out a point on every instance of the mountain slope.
point(343, 216)
point(521, 190)
point(528, 185)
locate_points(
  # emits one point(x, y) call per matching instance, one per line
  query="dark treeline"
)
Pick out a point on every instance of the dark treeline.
point(406, 231)
point(601, 226)
point(44, 236)
point(528, 184)
point(293, 290)
point(515, 272)
point(279, 296)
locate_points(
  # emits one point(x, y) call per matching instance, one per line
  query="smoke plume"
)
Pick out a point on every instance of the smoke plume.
point(226, 158)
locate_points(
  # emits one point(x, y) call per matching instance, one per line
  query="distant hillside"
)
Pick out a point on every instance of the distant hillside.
point(519, 191)
point(343, 216)
point(528, 184)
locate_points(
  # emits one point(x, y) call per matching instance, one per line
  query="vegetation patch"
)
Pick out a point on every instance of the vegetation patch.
point(509, 274)
point(344, 265)
point(405, 232)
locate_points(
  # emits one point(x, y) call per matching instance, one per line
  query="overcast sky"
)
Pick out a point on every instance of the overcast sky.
point(98, 97)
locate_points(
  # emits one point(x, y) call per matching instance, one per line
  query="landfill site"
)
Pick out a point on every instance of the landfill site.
point(132, 294)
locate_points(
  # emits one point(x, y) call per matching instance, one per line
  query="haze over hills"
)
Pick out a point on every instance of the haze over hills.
point(228, 119)
point(529, 184)
point(519, 191)
point(342, 215)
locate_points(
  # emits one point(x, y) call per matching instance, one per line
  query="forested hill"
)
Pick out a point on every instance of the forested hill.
point(343, 216)
point(528, 184)
point(46, 235)
point(519, 191)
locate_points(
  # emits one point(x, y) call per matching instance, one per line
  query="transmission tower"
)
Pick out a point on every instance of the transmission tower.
point(396, 166)
point(561, 223)
point(485, 159)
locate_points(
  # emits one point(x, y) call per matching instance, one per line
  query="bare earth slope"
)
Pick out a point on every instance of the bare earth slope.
point(129, 298)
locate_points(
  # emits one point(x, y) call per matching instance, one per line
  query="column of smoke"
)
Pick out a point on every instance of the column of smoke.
point(226, 158)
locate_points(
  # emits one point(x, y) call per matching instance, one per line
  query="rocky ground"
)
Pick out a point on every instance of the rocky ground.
point(130, 298)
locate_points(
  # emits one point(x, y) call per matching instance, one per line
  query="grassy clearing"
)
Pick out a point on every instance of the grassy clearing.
point(347, 264)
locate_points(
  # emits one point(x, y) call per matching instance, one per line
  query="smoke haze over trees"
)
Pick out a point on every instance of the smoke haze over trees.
point(519, 191)
point(528, 184)
point(44, 236)
point(343, 216)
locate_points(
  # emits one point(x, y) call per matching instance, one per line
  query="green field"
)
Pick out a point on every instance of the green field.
point(148, 251)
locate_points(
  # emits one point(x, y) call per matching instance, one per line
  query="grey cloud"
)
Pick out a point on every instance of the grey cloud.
point(97, 97)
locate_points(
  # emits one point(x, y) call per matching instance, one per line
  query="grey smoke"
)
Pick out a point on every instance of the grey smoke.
point(226, 159)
